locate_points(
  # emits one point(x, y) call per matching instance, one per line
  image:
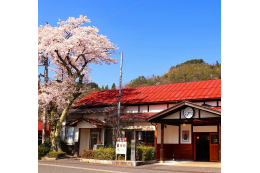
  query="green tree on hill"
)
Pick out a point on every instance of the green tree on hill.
point(189, 71)
point(113, 86)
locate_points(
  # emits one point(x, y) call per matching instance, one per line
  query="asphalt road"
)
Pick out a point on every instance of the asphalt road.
point(69, 166)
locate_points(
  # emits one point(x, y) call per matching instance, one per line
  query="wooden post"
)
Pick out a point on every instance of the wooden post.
point(162, 150)
point(219, 145)
point(180, 140)
point(192, 140)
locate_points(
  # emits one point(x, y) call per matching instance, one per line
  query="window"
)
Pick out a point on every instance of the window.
point(70, 135)
point(146, 137)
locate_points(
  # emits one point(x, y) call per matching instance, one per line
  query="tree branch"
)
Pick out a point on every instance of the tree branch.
point(64, 64)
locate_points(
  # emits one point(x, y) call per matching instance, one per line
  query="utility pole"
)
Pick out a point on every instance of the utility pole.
point(45, 63)
point(44, 119)
point(119, 96)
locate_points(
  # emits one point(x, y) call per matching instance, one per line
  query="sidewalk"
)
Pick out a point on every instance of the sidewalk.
point(167, 162)
point(191, 163)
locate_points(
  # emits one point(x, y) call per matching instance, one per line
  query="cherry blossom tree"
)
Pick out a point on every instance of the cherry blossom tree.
point(70, 47)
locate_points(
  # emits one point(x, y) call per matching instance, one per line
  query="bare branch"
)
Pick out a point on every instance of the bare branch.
point(64, 64)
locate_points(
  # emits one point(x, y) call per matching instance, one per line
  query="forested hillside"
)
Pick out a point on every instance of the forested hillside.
point(189, 71)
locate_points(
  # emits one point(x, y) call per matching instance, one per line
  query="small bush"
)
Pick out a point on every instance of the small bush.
point(105, 154)
point(88, 154)
point(100, 154)
point(145, 153)
point(56, 154)
point(121, 157)
point(44, 148)
point(142, 152)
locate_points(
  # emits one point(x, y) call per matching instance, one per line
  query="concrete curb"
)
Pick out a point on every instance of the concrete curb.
point(116, 162)
point(47, 158)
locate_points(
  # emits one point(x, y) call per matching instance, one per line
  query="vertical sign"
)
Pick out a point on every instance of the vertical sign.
point(121, 146)
point(133, 147)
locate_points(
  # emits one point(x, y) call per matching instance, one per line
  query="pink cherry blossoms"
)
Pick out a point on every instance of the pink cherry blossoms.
point(58, 92)
point(72, 47)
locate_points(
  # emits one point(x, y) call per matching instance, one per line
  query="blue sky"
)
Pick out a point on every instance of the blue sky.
point(153, 35)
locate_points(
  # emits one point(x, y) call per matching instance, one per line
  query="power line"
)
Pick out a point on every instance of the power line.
point(120, 11)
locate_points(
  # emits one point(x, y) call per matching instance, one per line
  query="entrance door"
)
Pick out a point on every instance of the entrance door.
point(94, 139)
point(213, 147)
point(202, 147)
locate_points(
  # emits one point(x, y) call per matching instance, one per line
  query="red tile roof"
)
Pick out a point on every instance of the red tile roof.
point(161, 93)
point(136, 116)
point(89, 120)
point(40, 126)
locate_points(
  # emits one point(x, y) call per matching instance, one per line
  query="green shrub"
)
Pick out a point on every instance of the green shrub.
point(88, 154)
point(56, 154)
point(121, 157)
point(44, 148)
point(105, 154)
point(142, 151)
point(145, 153)
point(100, 154)
point(128, 151)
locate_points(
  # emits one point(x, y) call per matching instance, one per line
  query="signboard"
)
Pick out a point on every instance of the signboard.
point(121, 146)
point(133, 147)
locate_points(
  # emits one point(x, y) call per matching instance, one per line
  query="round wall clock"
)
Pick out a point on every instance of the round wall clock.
point(188, 112)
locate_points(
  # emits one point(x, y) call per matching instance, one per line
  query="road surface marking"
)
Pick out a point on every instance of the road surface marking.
point(82, 168)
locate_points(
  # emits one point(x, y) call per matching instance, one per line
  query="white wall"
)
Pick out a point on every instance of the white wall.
point(131, 109)
point(196, 114)
point(157, 108)
point(176, 115)
point(212, 103)
point(81, 124)
point(219, 103)
point(204, 114)
point(144, 108)
point(141, 125)
point(170, 105)
point(171, 134)
point(84, 140)
point(205, 129)
point(187, 127)
point(199, 103)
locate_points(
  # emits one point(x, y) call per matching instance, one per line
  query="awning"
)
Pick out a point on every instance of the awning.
point(179, 107)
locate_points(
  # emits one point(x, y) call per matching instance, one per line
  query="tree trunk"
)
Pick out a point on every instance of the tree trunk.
point(64, 113)
point(52, 127)
point(58, 126)
point(44, 120)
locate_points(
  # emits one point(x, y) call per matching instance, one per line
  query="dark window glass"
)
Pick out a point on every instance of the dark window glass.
point(214, 139)
point(145, 136)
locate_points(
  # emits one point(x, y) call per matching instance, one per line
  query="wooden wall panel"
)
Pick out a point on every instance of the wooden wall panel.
point(180, 151)
point(186, 152)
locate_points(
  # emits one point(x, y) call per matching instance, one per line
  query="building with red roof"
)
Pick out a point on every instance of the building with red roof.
point(149, 113)
point(40, 131)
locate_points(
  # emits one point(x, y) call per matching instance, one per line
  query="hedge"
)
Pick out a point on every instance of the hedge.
point(44, 148)
point(145, 153)
point(105, 154)
point(56, 154)
point(142, 152)
point(100, 154)
point(89, 154)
